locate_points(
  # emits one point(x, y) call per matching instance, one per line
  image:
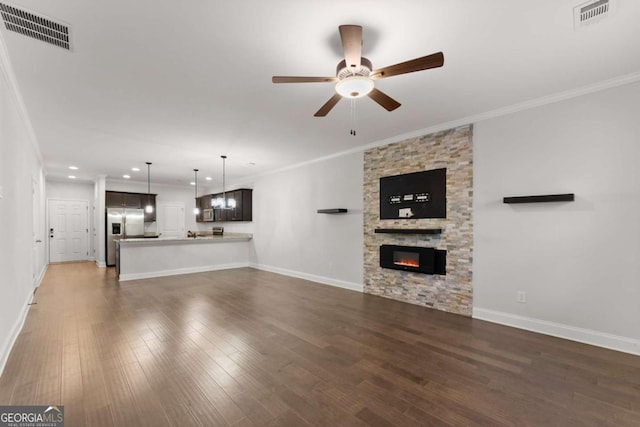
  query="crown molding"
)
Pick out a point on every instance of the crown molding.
point(63, 180)
point(510, 109)
point(137, 181)
point(499, 112)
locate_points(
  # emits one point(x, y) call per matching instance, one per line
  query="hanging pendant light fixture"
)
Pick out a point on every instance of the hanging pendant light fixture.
point(196, 210)
point(221, 202)
point(149, 207)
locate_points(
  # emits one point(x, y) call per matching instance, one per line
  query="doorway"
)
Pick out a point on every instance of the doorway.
point(68, 230)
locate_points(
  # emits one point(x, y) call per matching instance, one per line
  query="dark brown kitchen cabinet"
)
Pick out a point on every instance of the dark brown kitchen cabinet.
point(132, 200)
point(243, 209)
point(220, 215)
point(203, 202)
point(122, 199)
point(114, 199)
point(119, 199)
point(198, 204)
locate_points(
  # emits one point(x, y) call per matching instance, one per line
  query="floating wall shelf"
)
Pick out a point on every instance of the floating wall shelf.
point(333, 211)
point(570, 197)
point(408, 230)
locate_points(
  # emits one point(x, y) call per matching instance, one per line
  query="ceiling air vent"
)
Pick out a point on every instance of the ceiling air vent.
point(35, 26)
point(590, 12)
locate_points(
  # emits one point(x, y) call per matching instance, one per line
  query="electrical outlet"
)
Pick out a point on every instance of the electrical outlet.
point(521, 297)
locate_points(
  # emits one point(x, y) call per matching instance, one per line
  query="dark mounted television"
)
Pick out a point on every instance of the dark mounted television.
point(414, 195)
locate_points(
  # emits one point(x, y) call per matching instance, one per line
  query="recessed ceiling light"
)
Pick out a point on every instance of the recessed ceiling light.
point(135, 169)
point(192, 183)
point(208, 178)
point(73, 168)
point(126, 176)
point(72, 177)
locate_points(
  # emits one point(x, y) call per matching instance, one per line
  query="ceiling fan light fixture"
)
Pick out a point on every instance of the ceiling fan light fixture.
point(354, 86)
point(356, 77)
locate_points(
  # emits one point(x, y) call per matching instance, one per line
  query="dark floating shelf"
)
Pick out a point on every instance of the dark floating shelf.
point(570, 197)
point(333, 211)
point(408, 230)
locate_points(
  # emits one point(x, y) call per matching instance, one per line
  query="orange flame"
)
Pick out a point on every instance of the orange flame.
point(407, 263)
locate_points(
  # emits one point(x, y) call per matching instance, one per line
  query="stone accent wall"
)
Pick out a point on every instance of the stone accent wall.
point(451, 149)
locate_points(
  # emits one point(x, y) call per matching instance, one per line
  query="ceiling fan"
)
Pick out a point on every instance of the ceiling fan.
point(355, 76)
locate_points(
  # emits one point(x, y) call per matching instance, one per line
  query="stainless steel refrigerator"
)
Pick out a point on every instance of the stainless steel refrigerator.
point(122, 223)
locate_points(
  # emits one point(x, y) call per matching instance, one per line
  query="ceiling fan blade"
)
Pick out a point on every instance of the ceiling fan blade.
point(324, 110)
point(292, 79)
point(351, 36)
point(383, 99)
point(430, 61)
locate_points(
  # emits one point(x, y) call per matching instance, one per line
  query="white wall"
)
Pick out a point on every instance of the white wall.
point(21, 210)
point(70, 190)
point(578, 262)
point(290, 237)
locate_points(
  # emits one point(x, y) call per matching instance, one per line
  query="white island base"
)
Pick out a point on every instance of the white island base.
point(146, 258)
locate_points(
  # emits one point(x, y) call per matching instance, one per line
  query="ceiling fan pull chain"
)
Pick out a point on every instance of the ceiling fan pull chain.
point(352, 112)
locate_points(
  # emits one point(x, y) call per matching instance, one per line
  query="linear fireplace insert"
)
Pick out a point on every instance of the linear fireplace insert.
point(413, 258)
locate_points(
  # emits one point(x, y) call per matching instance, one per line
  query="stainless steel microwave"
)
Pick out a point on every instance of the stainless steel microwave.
point(207, 214)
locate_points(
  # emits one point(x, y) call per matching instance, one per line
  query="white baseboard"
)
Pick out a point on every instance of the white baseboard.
point(587, 336)
point(101, 264)
point(312, 277)
point(8, 343)
point(178, 271)
point(7, 346)
point(41, 276)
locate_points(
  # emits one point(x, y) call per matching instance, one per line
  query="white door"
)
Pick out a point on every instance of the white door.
point(68, 230)
point(170, 217)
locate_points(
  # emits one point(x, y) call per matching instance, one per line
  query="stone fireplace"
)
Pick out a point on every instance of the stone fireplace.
point(451, 289)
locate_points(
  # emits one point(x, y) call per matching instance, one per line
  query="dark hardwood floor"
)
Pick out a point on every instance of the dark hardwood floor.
point(247, 347)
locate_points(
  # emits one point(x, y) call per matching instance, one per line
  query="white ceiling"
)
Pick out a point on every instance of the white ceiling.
point(180, 83)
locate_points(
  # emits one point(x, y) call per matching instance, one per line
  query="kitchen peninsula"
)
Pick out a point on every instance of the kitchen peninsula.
point(140, 258)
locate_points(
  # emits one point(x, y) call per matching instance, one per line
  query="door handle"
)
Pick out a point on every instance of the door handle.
point(38, 241)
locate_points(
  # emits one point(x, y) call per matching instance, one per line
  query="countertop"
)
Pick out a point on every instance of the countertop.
point(227, 237)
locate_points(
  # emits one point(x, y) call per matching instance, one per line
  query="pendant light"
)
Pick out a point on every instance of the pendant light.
point(196, 210)
point(149, 207)
point(223, 202)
